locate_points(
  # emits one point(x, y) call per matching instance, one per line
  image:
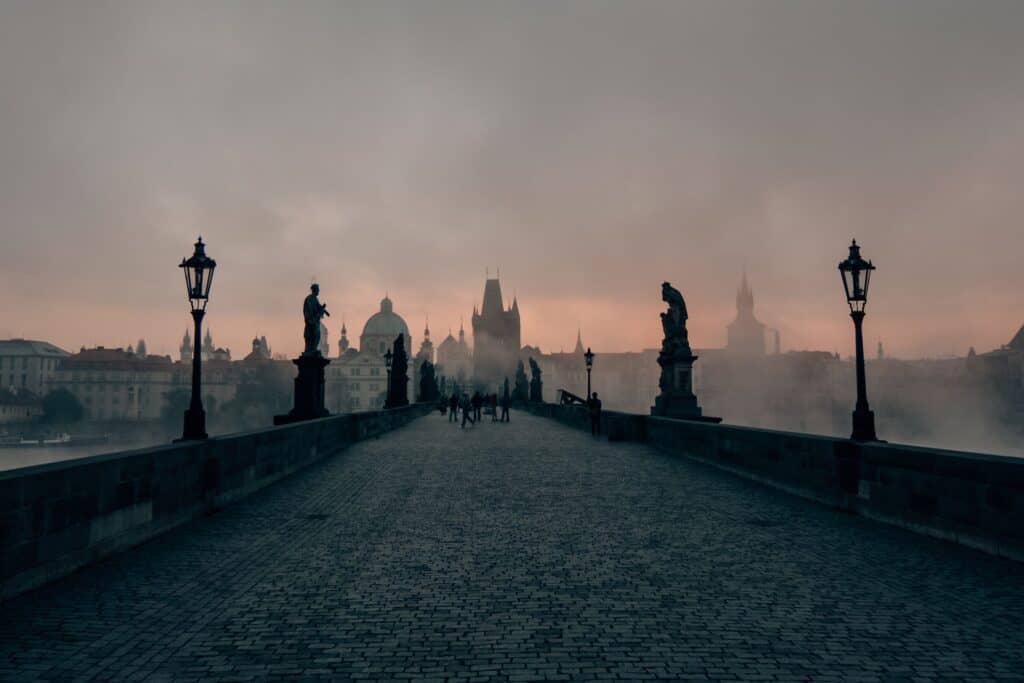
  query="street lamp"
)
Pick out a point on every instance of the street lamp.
point(589, 357)
point(856, 274)
point(388, 358)
point(198, 278)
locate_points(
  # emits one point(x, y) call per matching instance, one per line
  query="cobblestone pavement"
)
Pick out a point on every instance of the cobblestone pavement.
point(521, 552)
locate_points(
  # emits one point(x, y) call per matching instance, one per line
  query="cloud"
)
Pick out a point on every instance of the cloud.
point(590, 149)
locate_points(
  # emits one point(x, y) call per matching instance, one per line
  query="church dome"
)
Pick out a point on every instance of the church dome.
point(384, 324)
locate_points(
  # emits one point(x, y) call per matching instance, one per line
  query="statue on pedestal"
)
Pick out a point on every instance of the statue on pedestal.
point(309, 384)
point(676, 359)
point(312, 312)
point(398, 390)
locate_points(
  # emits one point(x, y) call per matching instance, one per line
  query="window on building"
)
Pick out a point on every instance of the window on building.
point(24, 380)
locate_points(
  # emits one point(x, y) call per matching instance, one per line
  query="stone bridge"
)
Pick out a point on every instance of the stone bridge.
point(527, 551)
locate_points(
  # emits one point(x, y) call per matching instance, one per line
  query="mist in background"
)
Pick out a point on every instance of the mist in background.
point(589, 149)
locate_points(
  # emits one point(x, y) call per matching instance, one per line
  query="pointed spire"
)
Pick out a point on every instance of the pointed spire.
point(745, 295)
point(579, 342)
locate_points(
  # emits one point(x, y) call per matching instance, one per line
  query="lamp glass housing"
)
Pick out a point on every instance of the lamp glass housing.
point(856, 274)
point(198, 270)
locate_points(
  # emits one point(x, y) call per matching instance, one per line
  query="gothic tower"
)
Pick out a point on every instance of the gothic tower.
point(745, 333)
point(496, 336)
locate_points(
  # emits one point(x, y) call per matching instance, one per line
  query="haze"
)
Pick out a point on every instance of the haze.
point(588, 149)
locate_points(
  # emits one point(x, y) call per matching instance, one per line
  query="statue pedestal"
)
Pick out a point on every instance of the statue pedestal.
point(309, 390)
point(677, 399)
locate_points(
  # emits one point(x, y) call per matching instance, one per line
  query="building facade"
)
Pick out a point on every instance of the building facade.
point(28, 365)
point(114, 385)
point(357, 379)
point(455, 359)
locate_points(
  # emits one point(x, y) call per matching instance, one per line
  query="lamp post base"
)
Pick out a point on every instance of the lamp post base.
point(195, 425)
point(863, 425)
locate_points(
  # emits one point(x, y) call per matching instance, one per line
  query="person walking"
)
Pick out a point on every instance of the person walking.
point(594, 404)
point(493, 401)
point(505, 401)
point(477, 402)
point(467, 411)
point(453, 408)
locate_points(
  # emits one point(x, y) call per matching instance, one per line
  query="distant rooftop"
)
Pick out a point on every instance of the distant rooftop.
point(1017, 343)
point(114, 359)
point(29, 347)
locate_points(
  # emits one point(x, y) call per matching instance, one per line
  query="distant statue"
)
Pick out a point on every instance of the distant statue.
point(312, 312)
point(673, 321)
point(398, 391)
point(536, 385)
point(522, 390)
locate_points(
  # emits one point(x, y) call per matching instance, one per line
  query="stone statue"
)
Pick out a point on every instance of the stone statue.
point(676, 359)
point(398, 391)
point(536, 384)
point(309, 384)
point(673, 321)
point(312, 312)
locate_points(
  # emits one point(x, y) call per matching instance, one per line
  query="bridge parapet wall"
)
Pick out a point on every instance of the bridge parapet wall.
point(974, 499)
point(57, 517)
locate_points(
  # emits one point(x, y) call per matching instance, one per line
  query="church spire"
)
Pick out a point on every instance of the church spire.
point(745, 296)
point(343, 340)
point(579, 342)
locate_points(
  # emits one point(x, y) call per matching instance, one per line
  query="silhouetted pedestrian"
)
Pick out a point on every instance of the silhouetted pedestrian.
point(594, 405)
point(467, 411)
point(453, 407)
point(505, 401)
point(494, 407)
point(477, 402)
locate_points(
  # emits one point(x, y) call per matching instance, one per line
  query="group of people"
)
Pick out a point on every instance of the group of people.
point(472, 407)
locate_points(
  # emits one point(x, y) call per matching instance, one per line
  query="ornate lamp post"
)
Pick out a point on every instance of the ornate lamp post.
point(589, 357)
point(856, 273)
point(198, 278)
point(388, 358)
